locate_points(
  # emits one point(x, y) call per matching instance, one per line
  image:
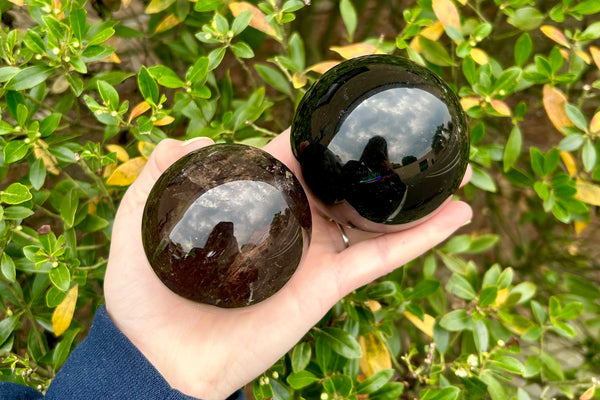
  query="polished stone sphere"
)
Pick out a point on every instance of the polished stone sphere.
point(226, 225)
point(382, 142)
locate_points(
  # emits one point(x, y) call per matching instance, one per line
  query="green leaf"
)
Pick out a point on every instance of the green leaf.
point(92, 223)
point(513, 148)
point(341, 342)
point(207, 5)
point(241, 22)
point(458, 244)
point(7, 326)
point(60, 276)
point(538, 312)
point(508, 363)
point(435, 52)
point(425, 288)
point(586, 7)
point(148, 87)
point(482, 179)
point(297, 52)
point(570, 311)
point(349, 17)
point(551, 369)
point(68, 208)
point(34, 42)
point(447, 393)
point(77, 20)
point(526, 18)
point(461, 287)
point(17, 212)
point(15, 150)
point(63, 348)
point(55, 27)
point(494, 388)
point(526, 290)
point(50, 123)
point(381, 290)
point(6, 73)
point(101, 36)
point(441, 337)
point(389, 391)
point(54, 297)
point(109, 95)
point(589, 155)
point(482, 243)
point(8, 268)
point(576, 116)
point(457, 320)
point(533, 334)
point(15, 193)
point(215, 57)
point(301, 356)
point(76, 83)
point(488, 296)
point(166, 77)
point(242, 50)
point(274, 78)
point(375, 381)
point(571, 142)
point(481, 336)
point(301, 379)
point(30, 77)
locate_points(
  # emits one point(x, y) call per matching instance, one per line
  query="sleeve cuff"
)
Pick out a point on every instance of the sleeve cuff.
point(107, 365)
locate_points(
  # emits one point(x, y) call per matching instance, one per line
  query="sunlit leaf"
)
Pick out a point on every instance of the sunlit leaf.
point(425, 325)
point(501, 107)
point(595, 123)
point(470, 102)
point(555, 34)
point(588, 394)
point(479, 56)
point(49, 160)
point(122, 155)
point(258, 21)
point(322, 67)
point(501, 297)
point(167, 23)
point(595, 52)
point(299, 80)
point(588, 193)
point(166, 120)
point(356, 50)
point(63, 313)
point(569, 161)
point(127, 172)
point(17, 2)
point(447, 13)
point(584, 56)
point(431, 32)
point(554, 104)
point(579, 226)
point(375, 354)
point(157, 6)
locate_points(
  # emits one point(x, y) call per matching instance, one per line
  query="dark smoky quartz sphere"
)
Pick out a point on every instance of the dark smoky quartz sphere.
point(226, 225)
point(382, 142)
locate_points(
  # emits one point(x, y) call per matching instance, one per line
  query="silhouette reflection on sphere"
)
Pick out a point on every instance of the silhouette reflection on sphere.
point(382, 142)
point(226, 225)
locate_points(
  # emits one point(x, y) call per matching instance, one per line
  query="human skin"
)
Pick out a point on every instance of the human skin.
point(209, 353)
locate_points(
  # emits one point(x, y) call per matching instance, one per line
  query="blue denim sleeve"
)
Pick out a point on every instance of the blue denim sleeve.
point(106, 365)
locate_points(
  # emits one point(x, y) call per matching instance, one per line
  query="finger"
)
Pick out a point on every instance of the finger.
point(281, 149)
point(164, 155)
point(468, 175)
point(366, 261)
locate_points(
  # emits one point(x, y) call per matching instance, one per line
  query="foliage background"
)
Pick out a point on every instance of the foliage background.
point(506, 309)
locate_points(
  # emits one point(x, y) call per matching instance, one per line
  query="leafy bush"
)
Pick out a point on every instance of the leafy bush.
point(506, 309)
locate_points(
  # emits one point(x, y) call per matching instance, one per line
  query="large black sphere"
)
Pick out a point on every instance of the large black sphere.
point(226, 225)
point(382, 142)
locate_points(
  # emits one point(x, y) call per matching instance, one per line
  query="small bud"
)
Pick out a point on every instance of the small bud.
point(188, 90)
point(46, 8)
point(266, 380)
point(153, 118)
point(76, 44)
point(9, 312)
point(99, 112)
point(501, 343)
point(38, 56)
point(461, 372)
point(473, 361)
point(27, 141)
point(114, 113)
point(502, 92)
point(230, 34)
point(275, 374)
point(55, 51)
point(55, 264)
point(38, 134)
point(18, 228)
point(67, 58)
point(324, 396)
point(208, 36)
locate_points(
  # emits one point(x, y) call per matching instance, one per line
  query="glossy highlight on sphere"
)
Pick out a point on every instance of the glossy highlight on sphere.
point(382, 142)
point(226, 225)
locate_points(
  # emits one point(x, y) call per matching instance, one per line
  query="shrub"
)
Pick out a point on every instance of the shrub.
point(506, 309)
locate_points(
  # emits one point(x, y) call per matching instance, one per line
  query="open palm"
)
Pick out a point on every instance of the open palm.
point(208, 352)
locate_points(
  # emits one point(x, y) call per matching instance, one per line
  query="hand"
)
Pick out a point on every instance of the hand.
point(209, 353)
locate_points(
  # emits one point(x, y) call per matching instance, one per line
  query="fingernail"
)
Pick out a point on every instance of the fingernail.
point(192, 140)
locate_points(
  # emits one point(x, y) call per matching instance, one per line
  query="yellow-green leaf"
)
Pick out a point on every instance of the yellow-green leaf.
point(63, 313)
point(595, 123)
point(145, 149)
point(555, 34)
point(157, 6)
point(127, 172)
point(375, 354)
point(470, 102)
point(588, 193)
point(569, 161)
point(501, 107)
point(595, 52)
point(120, 151)
point(167, 23)
point(431, 32)
point(479, 56)
point(138, 110)
point(554, 104)
point(425, 326)
point(258, 21)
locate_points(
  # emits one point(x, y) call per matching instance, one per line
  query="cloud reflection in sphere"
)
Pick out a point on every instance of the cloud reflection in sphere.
point(382, 142)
